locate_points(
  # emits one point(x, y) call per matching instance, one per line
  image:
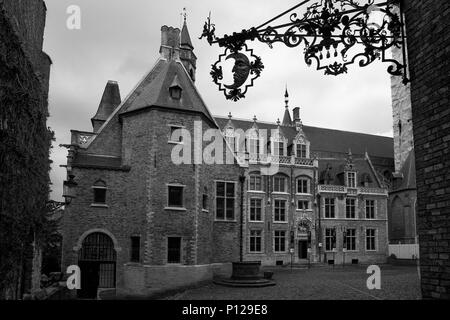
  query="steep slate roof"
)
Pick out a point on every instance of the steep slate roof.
point(110, 101)
point(337, 167)
point(155, 92)
point(185, 37)
point(326, 140)
point(287, 118)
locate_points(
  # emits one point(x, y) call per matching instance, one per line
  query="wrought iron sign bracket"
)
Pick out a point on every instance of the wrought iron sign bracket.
point(335, 34)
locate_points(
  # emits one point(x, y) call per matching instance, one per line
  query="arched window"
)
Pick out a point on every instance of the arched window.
point(255, 182)
point(280, 184)
point(99, 188)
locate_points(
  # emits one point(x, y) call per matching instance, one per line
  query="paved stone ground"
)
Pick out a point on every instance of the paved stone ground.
point(320, 283)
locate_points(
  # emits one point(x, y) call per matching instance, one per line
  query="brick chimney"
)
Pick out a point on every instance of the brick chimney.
point(170, 43)
point(296, 118)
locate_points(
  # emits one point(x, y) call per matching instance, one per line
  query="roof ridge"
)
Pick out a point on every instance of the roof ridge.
point(309, 126)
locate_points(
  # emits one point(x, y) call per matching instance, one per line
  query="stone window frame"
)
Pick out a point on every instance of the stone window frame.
point(286, 211)
point(335, 213)
point(304, 149)
point(355, 180)
point(285, 188)
point(297, 208)
point(286, 244)
point(375, 239)
point(308, 185)
point(355, 238)
point(235, 201)
point(99, 184)
point(254, 175)
point(375, 211)
point(168, 207)
point(330, 236)
point(355, 206)
point(261, 237)
point(262, 209)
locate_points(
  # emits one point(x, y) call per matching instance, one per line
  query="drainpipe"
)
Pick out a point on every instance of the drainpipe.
point(319, 233)
point(241, 235)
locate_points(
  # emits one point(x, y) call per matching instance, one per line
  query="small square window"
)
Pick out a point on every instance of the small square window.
point(175, 196)
point(302, 204)
point(99, 195)
point(176, 134)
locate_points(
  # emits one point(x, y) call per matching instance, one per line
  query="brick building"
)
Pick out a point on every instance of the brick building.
point(327, 201)
point(141, 222)
point(25, 144)
point(427, 25)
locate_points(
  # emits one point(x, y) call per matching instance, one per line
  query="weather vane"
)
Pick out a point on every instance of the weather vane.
point(334, 33)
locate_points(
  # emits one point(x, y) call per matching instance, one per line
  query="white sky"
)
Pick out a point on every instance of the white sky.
point(119, 40)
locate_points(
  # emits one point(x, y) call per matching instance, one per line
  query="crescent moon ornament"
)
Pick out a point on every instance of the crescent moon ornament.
point(241, 69)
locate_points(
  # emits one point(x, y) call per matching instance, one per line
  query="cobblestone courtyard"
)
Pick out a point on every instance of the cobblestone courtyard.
point(322, 283)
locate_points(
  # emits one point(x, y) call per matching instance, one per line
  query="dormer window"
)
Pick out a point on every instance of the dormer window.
point(278, 148)
point(175, 89)
point(253, 147)
point(351, 179)
point(301, 150)
point(175, 92)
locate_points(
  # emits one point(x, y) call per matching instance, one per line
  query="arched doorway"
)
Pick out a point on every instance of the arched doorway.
point(97, 262)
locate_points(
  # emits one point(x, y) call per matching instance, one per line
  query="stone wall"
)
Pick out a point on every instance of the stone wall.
point(427, 25)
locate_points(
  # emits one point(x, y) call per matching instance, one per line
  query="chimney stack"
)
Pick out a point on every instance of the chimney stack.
point(170, 43)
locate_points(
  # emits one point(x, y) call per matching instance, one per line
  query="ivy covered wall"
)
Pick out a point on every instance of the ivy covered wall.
point(25, 142)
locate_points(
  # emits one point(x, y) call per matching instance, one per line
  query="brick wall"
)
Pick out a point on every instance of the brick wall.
point(427, 25)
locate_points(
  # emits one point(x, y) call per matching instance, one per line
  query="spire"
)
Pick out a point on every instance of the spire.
point(187, 50)
point(287, 116)
point(185, 37)
point(110, 101)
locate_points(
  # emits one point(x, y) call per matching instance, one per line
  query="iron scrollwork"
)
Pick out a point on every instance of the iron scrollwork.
point(335, 34)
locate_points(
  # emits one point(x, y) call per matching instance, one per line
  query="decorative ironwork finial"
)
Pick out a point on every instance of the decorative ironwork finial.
point(286, 97)
point(254, 118)
point(230, 116)
point(335, 35)
point(184, 14)
point(278, 122)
